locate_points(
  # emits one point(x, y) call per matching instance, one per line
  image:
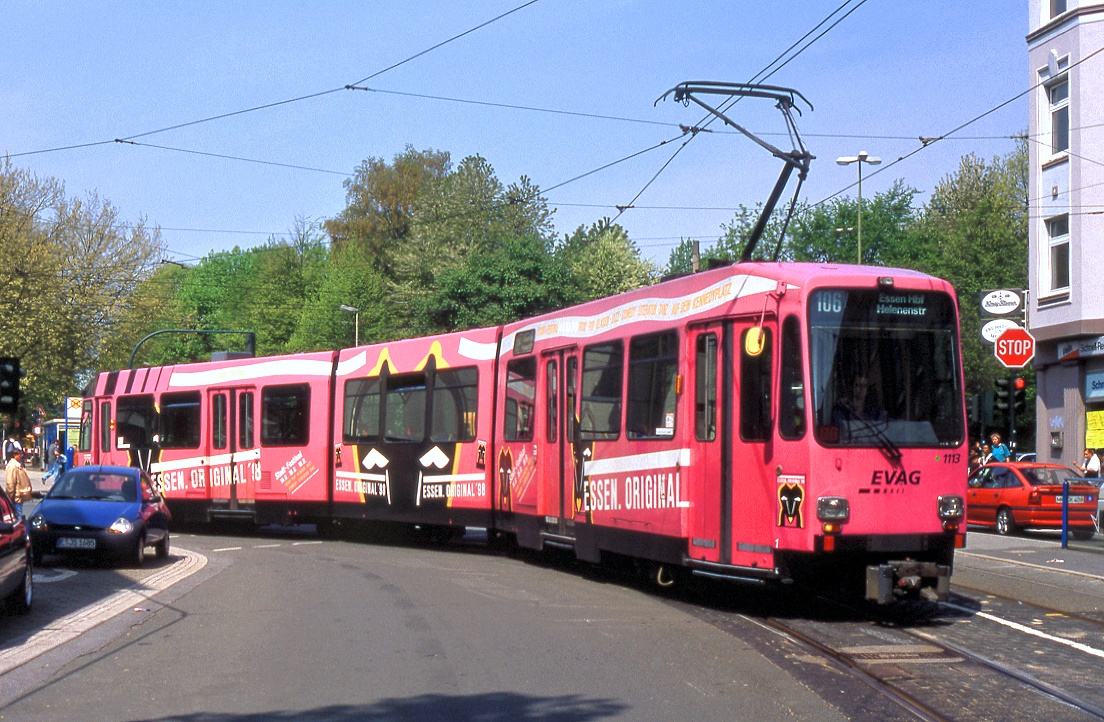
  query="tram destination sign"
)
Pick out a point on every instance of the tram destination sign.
point(1014, 348)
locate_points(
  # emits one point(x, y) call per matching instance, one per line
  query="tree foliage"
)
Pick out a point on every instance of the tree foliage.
point(71, 270)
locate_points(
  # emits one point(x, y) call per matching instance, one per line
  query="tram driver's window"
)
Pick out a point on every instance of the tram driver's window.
point(791, 387)
point(755, 384)
point(521, 391)
point(135, 422)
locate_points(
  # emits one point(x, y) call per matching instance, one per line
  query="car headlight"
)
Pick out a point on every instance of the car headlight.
point(38, 522)
point(833, 508)
point(121, 525)
point(951, 507)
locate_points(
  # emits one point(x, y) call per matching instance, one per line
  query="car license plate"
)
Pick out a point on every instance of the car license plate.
point(74, 543)
point(1072, 500)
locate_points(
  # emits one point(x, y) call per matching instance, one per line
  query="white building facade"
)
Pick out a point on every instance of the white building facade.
point(1066, 224)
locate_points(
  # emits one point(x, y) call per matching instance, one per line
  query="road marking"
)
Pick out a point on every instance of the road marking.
point(42, 576)
point(1029, 564)
point(267, 546)
point(1028, 630)
point(77, 623)
point(227, 549)
point(299, 544)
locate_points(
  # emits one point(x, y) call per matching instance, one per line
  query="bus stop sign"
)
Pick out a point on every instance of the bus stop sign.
point(1014, 348)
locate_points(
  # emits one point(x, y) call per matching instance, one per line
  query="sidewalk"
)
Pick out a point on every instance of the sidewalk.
point(1035, 569)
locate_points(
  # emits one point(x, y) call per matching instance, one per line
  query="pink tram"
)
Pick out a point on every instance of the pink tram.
point(757, 422)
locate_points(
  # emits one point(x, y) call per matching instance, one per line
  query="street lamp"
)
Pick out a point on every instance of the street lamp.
point(861, 158)
point(356, 322)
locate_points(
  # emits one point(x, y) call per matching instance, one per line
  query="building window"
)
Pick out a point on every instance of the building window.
point(1057, 7)
point(1058, 255)
point(1058, 97)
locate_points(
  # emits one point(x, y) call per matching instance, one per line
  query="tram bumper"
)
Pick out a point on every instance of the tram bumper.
point(895, 580)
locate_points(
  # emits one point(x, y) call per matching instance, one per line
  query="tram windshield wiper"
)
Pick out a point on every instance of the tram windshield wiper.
point(884, 442)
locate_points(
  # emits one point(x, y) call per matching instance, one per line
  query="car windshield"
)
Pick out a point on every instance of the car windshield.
point(1048, 476)
point(95, 485)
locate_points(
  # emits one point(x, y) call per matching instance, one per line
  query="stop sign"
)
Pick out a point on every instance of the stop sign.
point(1014, 348)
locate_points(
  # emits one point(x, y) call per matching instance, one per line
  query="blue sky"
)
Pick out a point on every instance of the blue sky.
point(892, 71)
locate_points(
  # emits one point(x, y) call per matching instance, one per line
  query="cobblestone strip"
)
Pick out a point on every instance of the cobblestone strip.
point(76, 623)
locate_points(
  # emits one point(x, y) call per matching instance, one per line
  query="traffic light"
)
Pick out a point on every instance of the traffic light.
point(1018, 387)
point(1002, 400)
point(10, 373)
point(972, 408)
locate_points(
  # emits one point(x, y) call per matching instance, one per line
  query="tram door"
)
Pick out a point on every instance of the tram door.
point(710, 479)
point(231, 448)
point(558, 467)
point(754, 500)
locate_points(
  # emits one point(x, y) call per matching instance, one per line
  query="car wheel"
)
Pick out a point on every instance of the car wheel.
point(1083, 534)
point(162, 547)
point(19, 601)
point(139, 554)
point(1005, 523)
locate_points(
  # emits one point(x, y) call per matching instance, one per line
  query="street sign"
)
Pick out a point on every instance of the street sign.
point(992, 330)
point(1002, 302)
point(1014, 348)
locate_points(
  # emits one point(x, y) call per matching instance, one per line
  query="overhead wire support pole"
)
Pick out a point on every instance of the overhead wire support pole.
point(250, 338)
point(797, 159)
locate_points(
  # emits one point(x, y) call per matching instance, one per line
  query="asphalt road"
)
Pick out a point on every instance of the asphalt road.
point(287, 627)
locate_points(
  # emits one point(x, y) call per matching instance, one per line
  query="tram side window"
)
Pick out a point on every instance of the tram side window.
point(245, 420)
point(791, 392)
point(85, 442)
point(362, 410)
point(455, 396)
point(285, 415)
point(404, 411)
point(105, 426)
point(552, 401)
point(600, 418)
point(705, 388)
point(135, 422)
point(521, 391)
point(755, 389)
point(180, 420)
point(218, 421)
point(653, 367)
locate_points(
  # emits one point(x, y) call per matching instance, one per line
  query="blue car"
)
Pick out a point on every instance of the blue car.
point(104, 511)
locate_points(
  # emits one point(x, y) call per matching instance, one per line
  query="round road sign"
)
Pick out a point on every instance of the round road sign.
point(1014, 348)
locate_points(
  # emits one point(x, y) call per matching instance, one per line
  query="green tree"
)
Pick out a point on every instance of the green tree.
point(602, 261)
point(973, 232)
point(828, 233)
point(514, 278)
point(381, 197)
point(72, 267)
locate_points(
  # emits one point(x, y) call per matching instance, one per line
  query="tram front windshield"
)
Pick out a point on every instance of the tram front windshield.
point(885, 368)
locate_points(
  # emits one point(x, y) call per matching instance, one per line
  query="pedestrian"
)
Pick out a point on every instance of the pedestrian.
point(10, 445)
point(1091, 465)
point(1000, 452)
point(17, 481)
point(986, 454)
point(53, 461)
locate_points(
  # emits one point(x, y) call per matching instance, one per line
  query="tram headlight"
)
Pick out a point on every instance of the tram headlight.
point(833, 508)
point(951, 507)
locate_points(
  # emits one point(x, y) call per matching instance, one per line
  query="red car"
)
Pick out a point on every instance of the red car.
point(1015, 495)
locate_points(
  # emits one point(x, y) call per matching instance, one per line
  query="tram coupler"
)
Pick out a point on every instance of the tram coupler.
point(896, 580)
